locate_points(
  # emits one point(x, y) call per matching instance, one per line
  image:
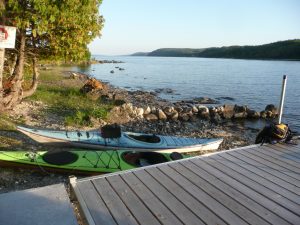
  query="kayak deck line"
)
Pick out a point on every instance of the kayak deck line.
point(249, 185)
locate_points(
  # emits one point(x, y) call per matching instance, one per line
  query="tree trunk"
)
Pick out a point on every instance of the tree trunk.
point(2, 51)
point(15, 93)
point(34, 83)
point(13, 65)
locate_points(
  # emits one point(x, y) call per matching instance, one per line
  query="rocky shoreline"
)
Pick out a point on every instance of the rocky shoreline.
point(137, 111)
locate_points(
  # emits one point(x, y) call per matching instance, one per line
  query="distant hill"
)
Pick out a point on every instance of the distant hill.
point(288, 50)
point(140, 54)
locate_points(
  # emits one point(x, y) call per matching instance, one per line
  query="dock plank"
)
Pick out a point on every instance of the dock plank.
point(287, 158)
point(243, 199)
point(288, 149)
point(163, 214)
point(293, 170)
point(133, 203)
point(272, 166)
point(262, 188)
point(259, 170)
point(256, 196)
point(185, 214)
point(261, 153)
point(258, 179)
point(291, 155)
point(114, 204)
point(95, 204)
point(223, 206)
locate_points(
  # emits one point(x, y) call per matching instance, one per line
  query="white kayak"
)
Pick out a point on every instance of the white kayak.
point(127, 141)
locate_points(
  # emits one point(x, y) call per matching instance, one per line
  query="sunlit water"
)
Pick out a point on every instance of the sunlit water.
point(255, 83)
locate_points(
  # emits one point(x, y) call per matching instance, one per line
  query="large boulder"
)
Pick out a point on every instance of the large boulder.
point(263, 114)
point(271, 108)
point(187, 110)
point(93, 85)
point(241, 115)
point(240, 112)
point(179, 109)
point(252, 114)
point(151, 117)
point(240, 109)
point(184, 117)
point(228, 111)
point(140, 112)
point(168, 110)
point(161, 115)
point(147, 110)
point(128, 107)
point(203, 112)
point(174, 116)
point(195, 109)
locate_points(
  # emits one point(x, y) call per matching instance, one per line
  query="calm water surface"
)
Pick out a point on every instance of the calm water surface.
point(255, 83)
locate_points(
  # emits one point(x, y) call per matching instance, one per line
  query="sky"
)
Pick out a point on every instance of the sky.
point(145, 25)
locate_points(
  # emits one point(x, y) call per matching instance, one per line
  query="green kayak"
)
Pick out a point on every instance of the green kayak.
point(79, 161)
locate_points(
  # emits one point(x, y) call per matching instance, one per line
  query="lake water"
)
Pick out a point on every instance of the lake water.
point(255, 83)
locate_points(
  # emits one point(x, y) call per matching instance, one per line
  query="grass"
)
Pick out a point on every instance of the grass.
point(6, 123)
point(67, 101)
point(63, 98)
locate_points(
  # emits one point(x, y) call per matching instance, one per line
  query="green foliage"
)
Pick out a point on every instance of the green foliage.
point(289, 50)
point(57, 30)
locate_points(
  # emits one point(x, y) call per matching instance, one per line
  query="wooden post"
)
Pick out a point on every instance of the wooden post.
point(282, 98)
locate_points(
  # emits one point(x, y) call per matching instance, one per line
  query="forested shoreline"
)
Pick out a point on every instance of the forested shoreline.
point(281, 50)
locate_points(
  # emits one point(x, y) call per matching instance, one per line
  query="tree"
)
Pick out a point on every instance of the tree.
point(46, 29)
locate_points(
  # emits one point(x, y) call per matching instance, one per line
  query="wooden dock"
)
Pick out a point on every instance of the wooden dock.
point(252, 185)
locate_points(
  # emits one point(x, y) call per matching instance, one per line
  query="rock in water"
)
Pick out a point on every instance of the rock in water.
point(206, 100)
point(272, 108)
point(252, 114)
point(263, 114)
point(240, 112)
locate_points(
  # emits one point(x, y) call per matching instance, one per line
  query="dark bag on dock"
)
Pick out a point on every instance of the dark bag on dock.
point(274, 133)
point(111, 131)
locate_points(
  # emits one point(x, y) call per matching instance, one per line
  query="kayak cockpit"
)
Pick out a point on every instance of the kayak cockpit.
point(140, 159)
point(145, 138)
point(60, 158)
